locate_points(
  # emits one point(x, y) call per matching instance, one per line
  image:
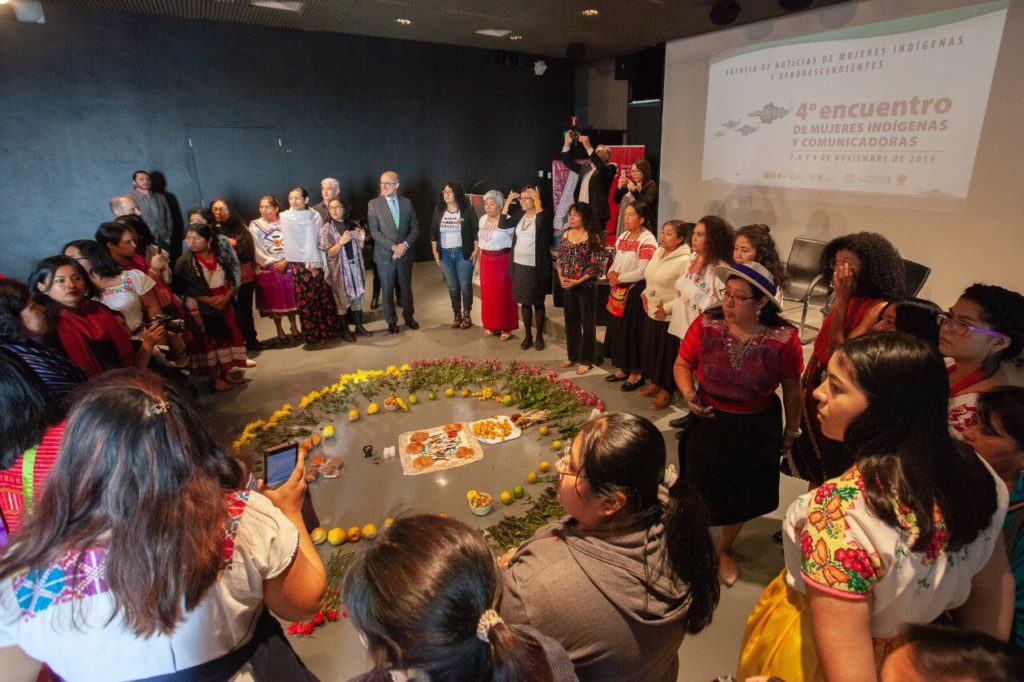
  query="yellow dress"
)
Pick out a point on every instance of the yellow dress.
point(833, 543)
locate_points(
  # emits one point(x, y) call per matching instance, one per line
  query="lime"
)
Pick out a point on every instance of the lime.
point(518, 491)
point(413, 399)
point(507, 400)
point(431, 395)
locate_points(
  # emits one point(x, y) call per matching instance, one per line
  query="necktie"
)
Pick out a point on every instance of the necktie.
point(393, 205)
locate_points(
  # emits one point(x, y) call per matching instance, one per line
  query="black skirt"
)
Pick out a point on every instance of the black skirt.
point(528, 287)
point(733, 460)
point(624, 335)
point(658, 354)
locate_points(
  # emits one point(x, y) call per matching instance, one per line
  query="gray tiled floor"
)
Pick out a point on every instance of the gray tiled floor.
point(368, 492)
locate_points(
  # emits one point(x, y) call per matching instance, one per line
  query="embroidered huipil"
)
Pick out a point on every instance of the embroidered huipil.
point(832, 539)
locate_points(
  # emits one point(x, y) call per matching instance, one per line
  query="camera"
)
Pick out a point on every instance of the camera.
point(169, 323)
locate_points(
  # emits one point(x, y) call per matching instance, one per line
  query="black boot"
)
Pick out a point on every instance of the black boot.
point(357, 318)
point(346, 333)
point(541, 313)
point(526, 311)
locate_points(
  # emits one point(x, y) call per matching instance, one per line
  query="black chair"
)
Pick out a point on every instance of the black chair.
point(916, 275)
point(803, 268)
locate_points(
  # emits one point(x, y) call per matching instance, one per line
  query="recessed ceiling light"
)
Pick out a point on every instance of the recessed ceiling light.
point(515, 37)
point(278, 4)
point(590, 12)
point(494, 32)
point(403, 22)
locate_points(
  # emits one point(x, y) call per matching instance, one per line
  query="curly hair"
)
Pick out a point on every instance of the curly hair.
point(718, 241)
point(759, 236)
point(882, 272)
point(1003, 310)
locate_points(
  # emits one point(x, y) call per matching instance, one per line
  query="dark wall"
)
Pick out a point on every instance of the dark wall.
point(92, 95)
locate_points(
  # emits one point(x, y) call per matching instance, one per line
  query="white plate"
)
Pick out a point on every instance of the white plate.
point(515, 433)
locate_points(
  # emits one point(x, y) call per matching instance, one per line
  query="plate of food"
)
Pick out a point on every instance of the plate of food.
point(495, 429)
point(441, 447)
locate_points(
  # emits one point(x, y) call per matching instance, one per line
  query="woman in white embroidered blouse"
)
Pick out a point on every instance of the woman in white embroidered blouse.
point(910, 531)
point(170, 572)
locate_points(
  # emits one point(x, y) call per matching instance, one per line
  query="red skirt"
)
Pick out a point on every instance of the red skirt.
point(498, 312)
point(223, 347)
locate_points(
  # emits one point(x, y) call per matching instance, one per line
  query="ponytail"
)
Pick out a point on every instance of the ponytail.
point(691, 553)
point(517, 656)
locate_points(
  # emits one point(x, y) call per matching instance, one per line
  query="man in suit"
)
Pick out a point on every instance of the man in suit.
point(329, 190)
point(393, 226)
point(153, 208)
point(595, 175)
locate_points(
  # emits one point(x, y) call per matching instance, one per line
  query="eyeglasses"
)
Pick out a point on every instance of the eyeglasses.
point(960, 328)
point(562, 464)
point(725, 295)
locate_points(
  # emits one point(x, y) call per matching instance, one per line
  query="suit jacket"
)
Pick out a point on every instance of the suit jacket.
point(384, 231)
point(321, 208)
point(156, 213)
point(600, 181)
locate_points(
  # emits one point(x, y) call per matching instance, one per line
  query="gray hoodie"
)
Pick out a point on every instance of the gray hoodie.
point(602, 596)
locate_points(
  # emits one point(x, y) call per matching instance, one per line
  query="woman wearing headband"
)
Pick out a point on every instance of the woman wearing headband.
point(423, 597)
point(740, 353)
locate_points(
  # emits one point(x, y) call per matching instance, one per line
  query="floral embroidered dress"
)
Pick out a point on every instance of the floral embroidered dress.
point(835, 544)
point(36, 606)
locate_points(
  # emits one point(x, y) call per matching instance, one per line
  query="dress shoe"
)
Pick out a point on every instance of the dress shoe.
point(649, 389)
point(680, 422)
point(392, 328)
point(539, 345)
point(612, 378)
point(375, 303)
point(357, 318)
point(527, 343)
point(412, 324)
point(627, 387)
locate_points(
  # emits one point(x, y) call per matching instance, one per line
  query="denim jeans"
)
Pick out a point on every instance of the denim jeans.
point(458, 273)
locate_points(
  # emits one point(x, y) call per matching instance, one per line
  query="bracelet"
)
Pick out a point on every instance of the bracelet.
point(795, 433)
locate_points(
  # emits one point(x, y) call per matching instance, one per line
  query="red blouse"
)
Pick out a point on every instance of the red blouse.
point(740, 377)
point(855, 311)
point(12, 483)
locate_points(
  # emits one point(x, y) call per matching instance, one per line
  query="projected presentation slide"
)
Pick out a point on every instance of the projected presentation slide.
point(888, 108)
